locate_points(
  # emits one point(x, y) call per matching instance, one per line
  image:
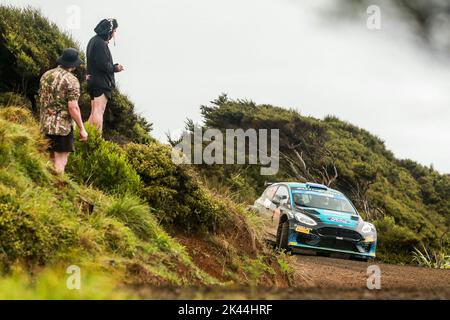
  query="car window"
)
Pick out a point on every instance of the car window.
point(281, 192)
point(322, 201)
point(270, 192)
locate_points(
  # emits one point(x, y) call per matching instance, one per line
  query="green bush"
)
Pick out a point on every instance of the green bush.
point(23, 236)
point(8, 99)
point(18, 115)
point(122, 124)
point(103, 165)
point(173, 191)
point(394, 242)
point(20, 146)
point(30, 45)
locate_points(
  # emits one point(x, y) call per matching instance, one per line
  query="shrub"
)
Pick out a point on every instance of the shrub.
point(23, 236)
point(30, 45)
point(394, 241)
point(122, 124)
point(20, 146)
point(8, 99)
point(103, 165)
point(17, 115)
point(174, 191)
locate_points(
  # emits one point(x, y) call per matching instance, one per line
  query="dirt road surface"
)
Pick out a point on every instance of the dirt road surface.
point(318, 277)
point(327, 278)
point(331, 278)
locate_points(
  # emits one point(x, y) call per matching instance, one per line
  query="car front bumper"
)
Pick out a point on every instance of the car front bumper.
point(338, 240)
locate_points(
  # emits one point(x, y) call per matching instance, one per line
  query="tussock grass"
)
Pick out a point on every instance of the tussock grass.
point(430, 258)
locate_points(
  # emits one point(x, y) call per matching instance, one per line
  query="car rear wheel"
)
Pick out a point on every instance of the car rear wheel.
point(283, 235)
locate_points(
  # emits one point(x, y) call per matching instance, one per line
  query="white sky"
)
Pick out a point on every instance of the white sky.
point(181, 54)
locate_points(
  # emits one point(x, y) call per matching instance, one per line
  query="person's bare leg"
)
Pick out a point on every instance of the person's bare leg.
point(98, 106)
point(101, 111)
point(60, 161)
point(90, 120)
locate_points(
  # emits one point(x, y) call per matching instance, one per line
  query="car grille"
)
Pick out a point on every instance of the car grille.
point(308, 239)
point(316, 241)
point(338, 232)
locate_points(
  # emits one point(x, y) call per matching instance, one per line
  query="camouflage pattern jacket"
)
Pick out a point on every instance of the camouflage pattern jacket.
point(57, 87)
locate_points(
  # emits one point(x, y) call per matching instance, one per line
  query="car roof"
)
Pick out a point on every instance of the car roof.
point(308, 186)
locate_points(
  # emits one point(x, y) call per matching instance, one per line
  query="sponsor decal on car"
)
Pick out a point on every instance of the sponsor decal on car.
point(339, 220)
point(301, 229)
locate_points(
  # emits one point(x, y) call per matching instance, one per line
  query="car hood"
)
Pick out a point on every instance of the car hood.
point(335, 218)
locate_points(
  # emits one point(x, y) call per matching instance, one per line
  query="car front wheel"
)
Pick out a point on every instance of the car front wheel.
point(283, 235)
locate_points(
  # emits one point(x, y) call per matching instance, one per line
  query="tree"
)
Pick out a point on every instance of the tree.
point(430, 19)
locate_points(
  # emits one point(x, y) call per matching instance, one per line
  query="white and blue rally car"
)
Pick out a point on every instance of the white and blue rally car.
point(314, 217)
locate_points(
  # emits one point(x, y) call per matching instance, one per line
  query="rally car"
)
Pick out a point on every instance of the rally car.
point(316, 218)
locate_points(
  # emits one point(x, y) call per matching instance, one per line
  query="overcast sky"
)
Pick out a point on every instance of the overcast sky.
point(181, 54)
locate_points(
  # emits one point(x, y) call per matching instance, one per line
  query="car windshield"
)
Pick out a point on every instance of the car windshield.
point(322, 201)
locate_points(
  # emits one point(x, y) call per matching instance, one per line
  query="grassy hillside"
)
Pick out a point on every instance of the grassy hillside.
point(110, 225)
point(409, 203)
point(46, 220)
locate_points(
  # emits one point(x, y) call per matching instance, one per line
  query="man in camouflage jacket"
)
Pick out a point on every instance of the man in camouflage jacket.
point(58, 101)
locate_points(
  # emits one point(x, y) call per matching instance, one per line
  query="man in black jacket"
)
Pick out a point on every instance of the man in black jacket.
point(101, 69)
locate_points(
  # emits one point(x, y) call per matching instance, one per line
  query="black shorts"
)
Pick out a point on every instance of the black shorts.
point(61, 143)
point(97, 92)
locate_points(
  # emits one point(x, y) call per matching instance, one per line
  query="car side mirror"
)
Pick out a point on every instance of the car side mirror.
point(277, 200)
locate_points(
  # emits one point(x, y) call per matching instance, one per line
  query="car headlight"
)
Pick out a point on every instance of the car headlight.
point(304, 219)
point(368, 228)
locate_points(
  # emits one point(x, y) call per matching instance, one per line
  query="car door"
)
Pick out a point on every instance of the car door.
point(264, 203)
point(265, 207)
point(282, 204)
